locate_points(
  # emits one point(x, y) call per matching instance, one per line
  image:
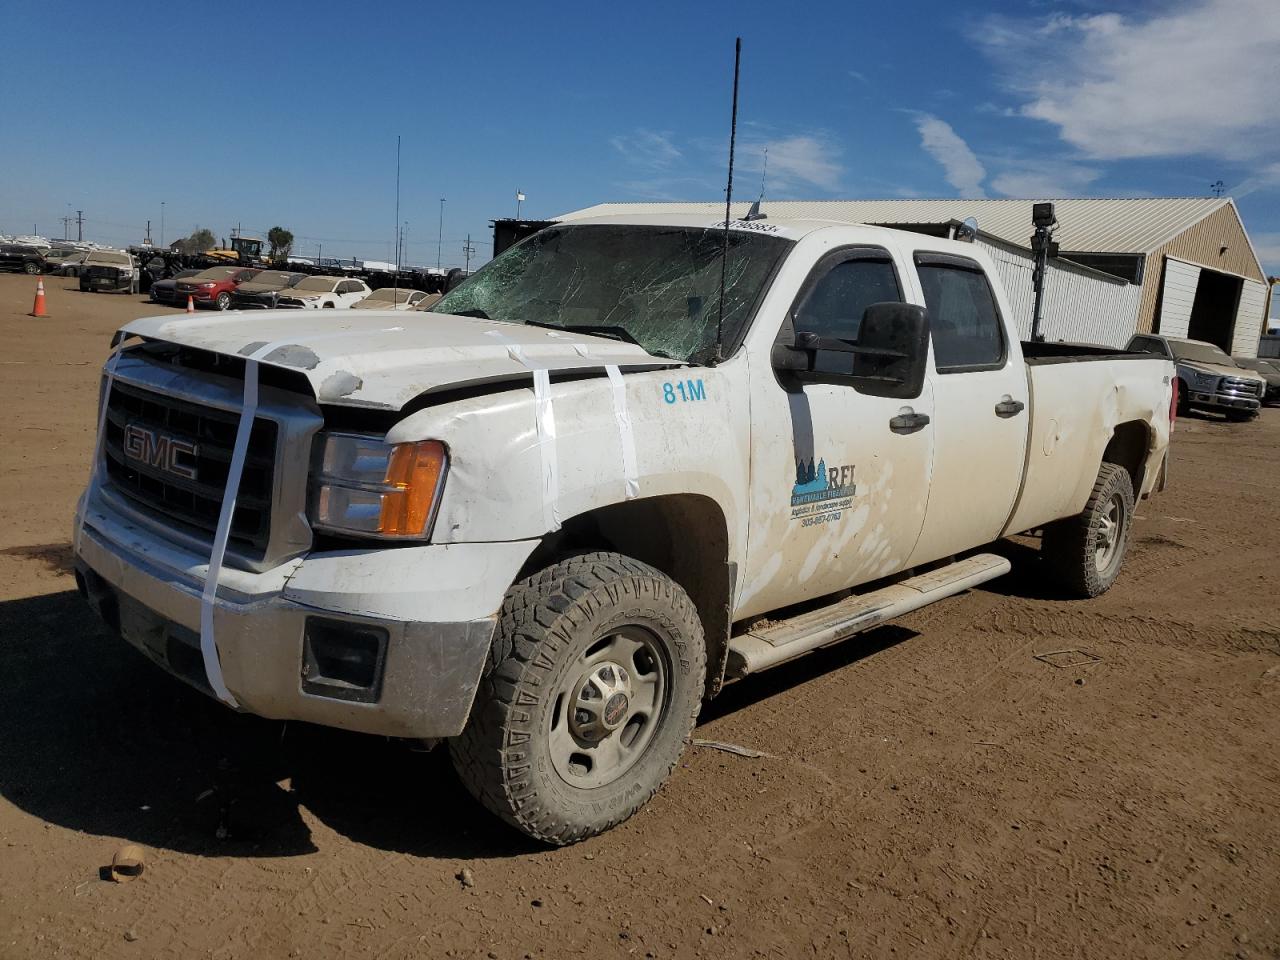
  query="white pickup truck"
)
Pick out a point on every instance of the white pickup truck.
point(548, 518)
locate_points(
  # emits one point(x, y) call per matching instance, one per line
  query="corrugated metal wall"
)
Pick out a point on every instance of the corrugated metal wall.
point(1079, 304)
point(1200, 244)
point(1253, 301)
point(1178, 296)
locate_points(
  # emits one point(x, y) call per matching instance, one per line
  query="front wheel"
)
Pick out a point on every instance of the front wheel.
point(31, 269)
point(1086, 551)
point(224, 301)
point(588, 700)
point(1241, 416)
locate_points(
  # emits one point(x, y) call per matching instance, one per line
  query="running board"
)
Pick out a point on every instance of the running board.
point(769, 646)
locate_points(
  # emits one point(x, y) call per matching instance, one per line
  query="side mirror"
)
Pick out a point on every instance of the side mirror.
point(887, 360)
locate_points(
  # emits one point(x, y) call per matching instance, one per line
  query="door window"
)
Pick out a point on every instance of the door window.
point(963, 319)
point(834, 305)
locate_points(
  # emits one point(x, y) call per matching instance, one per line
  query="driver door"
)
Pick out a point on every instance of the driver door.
point(839, 477)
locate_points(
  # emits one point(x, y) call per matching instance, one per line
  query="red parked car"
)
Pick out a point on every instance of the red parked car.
point(212, 287)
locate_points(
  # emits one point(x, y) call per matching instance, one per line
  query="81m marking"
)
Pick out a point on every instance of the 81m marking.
point(686, 391)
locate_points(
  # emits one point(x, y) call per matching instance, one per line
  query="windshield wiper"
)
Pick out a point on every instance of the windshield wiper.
point(473, 312)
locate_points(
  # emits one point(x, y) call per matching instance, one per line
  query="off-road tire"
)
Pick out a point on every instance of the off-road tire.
point(547, 622)
point(1070, 546)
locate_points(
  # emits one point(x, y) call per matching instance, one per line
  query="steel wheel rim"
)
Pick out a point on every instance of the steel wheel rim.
point(1106, 545)
point(593, 751)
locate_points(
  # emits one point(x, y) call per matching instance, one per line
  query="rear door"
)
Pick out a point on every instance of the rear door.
point(839, 481)
point(981, 407)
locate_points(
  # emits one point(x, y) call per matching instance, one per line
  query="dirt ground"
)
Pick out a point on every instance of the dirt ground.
point(929, 790)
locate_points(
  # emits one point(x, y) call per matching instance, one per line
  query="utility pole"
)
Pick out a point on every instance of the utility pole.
point(162, 223)
point(440, 237)
point(148, 240)
point(468, 251)
point(66, 227)
point(80, 225)
point(519, 200)
point(1217, 187)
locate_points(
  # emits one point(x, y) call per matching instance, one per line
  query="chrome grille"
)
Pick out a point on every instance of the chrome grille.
point(1239, 385)
point(194, 502)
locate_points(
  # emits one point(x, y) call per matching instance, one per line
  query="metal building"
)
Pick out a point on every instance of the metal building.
point(1183, 266)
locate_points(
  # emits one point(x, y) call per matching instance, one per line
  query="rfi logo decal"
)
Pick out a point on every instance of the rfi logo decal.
point(159, 450)
point(821, 494)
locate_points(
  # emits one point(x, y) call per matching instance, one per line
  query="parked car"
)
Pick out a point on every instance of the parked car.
point(548, 523)
point(1208, 379)
point(166, 291)
point(1269, 369)
point(263, 290)
point(213, 287)
point(109, 270)
point(323, 292)
point(390, 298)
point(21, 258)
point(68, 264)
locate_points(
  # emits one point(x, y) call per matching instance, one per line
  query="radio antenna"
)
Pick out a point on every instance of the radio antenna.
point(728, 199)
point(395, 281)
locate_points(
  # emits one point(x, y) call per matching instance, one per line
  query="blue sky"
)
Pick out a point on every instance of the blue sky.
point(288, 114)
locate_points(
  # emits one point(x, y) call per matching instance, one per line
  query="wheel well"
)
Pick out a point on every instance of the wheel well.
point(683, 535)
point(1128, 448)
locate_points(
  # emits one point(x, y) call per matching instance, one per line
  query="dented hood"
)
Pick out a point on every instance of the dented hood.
point(385, 359)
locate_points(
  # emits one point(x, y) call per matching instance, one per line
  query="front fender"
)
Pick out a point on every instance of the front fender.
point(498, 489)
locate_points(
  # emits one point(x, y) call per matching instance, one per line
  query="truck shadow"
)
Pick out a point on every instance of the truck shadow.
point(99, 740)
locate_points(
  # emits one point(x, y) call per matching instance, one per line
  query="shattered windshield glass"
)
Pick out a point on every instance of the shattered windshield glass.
point(657, 286)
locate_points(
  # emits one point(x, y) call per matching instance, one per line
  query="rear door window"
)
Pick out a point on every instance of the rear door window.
point(964, 321)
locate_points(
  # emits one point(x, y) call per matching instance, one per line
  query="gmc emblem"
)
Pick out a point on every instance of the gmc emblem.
point(160, 450)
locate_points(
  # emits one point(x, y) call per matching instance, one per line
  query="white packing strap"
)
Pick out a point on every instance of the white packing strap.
point(622, 416)
point(208, 597)
point(544, 420)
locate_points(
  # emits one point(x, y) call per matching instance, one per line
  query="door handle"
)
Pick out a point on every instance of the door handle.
point(908, 421)
point(1008, 407)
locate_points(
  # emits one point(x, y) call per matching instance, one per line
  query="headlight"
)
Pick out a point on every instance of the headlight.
point(372, 488)
point(208, 286)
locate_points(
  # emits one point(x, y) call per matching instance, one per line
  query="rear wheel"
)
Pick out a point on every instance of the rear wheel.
point(224, 300)
point(1086, 551)
point(591, 692)
point(31, 269)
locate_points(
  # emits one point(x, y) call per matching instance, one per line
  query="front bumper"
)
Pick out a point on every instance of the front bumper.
point(1224, 401)
point(105, 283)
point(435, 606)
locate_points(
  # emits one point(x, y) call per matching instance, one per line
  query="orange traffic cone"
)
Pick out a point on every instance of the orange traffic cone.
point(191, 304)
point(38, 309)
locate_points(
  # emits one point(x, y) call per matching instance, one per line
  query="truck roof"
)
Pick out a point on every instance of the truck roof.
point(788, 228)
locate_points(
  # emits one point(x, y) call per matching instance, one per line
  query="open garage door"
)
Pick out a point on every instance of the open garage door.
point(1177, 296)
point(1253, 301)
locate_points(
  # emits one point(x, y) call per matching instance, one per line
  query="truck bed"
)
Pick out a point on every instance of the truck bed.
point(1038, 354)
point(1079, 395)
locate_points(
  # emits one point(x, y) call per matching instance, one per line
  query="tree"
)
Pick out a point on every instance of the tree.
point(281, 241)
point(201, 239)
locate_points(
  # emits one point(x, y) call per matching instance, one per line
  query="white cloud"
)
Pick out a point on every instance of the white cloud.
point(1268, 247)
point(1045, 179)
point(962, 169)
point(647, 148)
point(805, 160)
point(1197, 79)
point(1264, 179)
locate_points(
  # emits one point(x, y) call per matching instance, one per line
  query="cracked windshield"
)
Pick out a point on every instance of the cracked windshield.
point(658, 287)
